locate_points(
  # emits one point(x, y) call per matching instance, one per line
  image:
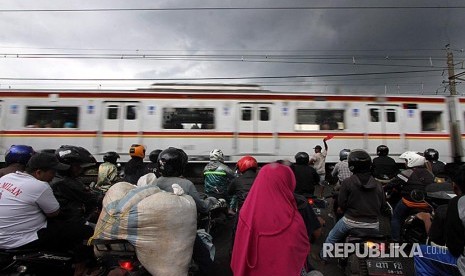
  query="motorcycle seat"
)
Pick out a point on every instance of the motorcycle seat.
point(365, 233)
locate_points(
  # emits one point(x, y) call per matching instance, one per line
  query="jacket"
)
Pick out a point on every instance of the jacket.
point(362, 197)
point(217, 177)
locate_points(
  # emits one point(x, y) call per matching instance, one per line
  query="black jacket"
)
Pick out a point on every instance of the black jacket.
point(455, 230)
point(412, 179)
point(76, 200)
point(306, 178)
point(240, 186)
point(361, 198)
point(384, 167)
point(134, 169)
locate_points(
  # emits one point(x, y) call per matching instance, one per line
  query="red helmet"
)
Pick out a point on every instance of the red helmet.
point(246, 162)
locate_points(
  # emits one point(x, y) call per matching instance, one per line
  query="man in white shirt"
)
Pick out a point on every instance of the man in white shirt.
point(27, 209)
point(26, 200)
point(318, 161)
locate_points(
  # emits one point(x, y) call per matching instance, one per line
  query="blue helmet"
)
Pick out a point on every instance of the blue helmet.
point(18, 154)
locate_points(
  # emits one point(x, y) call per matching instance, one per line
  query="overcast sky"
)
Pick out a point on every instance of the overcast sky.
point(310, 46)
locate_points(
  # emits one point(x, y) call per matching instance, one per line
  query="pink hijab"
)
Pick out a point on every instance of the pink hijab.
point(271, 237)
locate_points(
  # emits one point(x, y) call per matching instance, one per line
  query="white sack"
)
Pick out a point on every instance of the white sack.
point(162, 226)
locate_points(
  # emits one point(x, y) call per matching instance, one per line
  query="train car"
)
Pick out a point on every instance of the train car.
point(239, 119)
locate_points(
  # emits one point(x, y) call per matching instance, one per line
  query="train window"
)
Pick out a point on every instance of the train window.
point(374, 114)
point(431, 121)
point(112, 112)
point(52, 116)
point(264, 113)
point(246, 113)
point(131, 112)
point(391, 115)
point(188, 118)
point(319, 119)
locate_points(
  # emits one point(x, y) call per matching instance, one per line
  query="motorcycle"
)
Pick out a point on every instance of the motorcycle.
point(435, 195)
point(119, 257)
point(35, 262)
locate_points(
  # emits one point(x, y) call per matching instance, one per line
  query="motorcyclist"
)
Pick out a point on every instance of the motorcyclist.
point(217, 177)
point(411, 182)
point(135, 167)
point(240, 186)
point(172, 163)
point(305, 175)
point(384, 168)
point(341, 169)
point(361, 198)
point(76, 200)
point(108, 172)
point(432, 159)
point(152, 166)
point(16, 158)
point(432, 261)
point(28, 218)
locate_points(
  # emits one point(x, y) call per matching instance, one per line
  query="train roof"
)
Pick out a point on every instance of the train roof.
point(212, 92)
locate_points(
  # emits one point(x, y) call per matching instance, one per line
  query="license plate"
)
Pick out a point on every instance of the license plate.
point(380, 267)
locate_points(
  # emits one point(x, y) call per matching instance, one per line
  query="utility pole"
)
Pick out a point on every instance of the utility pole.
point(455, 133)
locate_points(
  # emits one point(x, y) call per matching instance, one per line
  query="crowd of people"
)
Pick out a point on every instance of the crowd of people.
point(44, 204)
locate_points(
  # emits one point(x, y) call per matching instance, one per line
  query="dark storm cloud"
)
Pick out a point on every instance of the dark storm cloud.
point(338, 41)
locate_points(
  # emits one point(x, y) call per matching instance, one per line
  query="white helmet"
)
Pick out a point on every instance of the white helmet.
point(216, 155)
point(413, 159)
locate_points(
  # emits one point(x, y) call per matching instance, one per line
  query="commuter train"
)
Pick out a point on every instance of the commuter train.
point(238, 119)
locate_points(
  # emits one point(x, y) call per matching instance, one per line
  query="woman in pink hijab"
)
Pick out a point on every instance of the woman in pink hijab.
point(271, 237)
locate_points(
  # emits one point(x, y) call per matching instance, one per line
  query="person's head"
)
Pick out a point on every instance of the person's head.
point(247, 163)
point(172, 162)
point(137, 151)
point(317, 148)
point(343, 154)
point(359, 161)
point(457, 174)
point(382, 150)
point(431, 154)
point(216, 155)
point(302, 158)
point(18, 154)
point(43, 166)
point(153, 156)
point(77, 157)
point(277, 177)
point(111, 157)
point(413, 159)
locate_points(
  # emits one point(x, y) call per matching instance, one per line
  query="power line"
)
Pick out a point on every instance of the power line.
point(233, 8)
point(222, 78)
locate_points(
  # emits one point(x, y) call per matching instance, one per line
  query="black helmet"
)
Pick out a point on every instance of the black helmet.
point(111, 157)
point(343, 154)
point(75, 155)
point(153, 156)
point(382, 150)
point(302, 158)
point(431, 155)
point(359, 161)
point(172, 162)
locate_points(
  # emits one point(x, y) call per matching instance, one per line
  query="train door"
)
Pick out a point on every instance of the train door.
point(121, 126)
point(255, 128)
point(384, 128)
